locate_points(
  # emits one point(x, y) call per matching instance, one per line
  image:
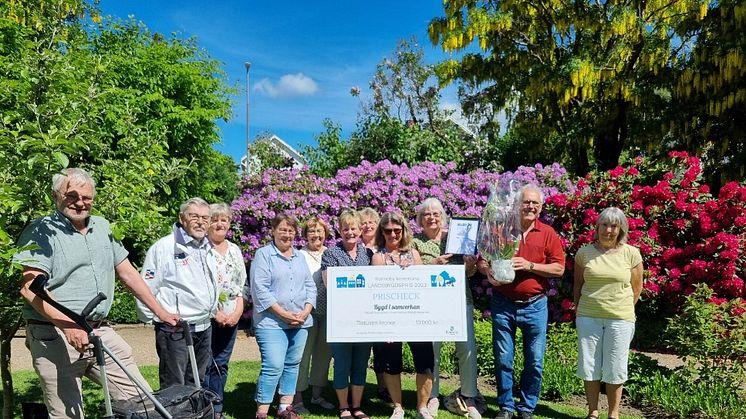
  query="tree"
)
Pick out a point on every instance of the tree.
point(711, 87)
point(402, 123)
point(592, 76)
point(263, 154)
point(138, 111)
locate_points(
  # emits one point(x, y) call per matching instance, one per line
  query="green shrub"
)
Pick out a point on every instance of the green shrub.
point(677, 393)
point(448, 360)
point(710, 333)
point(560, 363)
point(123, 308)
point(485, 354)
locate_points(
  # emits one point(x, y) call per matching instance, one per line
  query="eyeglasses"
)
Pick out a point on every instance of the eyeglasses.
point(431, 214)
point(395, 231)
point(196, 217)
point(531, 203)
point(74, 197)
point(286, 231)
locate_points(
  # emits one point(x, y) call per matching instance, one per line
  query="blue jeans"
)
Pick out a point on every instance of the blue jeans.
point(350, 364)
point(532, 320)
point(223, 339)
point(281, 351)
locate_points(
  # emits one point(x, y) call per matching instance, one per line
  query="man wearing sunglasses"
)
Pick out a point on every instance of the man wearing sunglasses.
point(183, 278)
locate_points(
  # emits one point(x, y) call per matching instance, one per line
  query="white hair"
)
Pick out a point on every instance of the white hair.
point(74, 175)
point(192, 201)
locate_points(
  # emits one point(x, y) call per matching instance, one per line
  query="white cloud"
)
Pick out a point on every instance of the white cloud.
point(288, 85)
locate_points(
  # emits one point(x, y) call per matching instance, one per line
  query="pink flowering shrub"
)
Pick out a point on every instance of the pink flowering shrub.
point(685, 235)
point(383, 186)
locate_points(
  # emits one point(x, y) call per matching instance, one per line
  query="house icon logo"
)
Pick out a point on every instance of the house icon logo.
point(442, 280)
point(351, 282)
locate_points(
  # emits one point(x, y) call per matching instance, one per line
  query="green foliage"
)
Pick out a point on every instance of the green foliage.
point(675, 393)
point(448, 363)
point(123, 309)
point(265, 155)
point(135, 109)
point(485, 353)
point(584, 82)
point(402, 124)
point(710, 334)
point(561, 362)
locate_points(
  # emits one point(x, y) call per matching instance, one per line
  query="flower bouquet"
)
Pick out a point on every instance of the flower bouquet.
point(499, 232)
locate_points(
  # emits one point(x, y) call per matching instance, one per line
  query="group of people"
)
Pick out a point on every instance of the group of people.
point(196, 275)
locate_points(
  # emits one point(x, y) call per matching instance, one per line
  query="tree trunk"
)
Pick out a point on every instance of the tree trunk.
point(611, 138)
point(7, 332)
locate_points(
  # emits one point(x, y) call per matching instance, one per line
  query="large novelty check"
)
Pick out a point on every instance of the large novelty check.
point(422, 303)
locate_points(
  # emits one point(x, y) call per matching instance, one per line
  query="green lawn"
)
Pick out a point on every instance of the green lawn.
point(241, 387)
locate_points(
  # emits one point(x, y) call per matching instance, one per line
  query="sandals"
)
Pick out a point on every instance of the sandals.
point(591, 417)
point(358, 413)
point(348, 415)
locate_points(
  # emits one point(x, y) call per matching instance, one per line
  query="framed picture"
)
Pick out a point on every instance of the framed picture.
point(462, 236)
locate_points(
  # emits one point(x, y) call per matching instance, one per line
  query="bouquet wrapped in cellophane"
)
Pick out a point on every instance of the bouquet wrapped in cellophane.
point(500, 232)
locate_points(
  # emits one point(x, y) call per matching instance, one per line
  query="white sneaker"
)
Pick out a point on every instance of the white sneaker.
point(473, 413)
point(398, 413)
point(424, 413)
point(432, 406)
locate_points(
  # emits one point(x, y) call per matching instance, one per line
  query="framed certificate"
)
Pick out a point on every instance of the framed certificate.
point(462, 236)
point(422, 303)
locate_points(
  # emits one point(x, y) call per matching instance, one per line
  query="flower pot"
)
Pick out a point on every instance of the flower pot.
point(502, 271)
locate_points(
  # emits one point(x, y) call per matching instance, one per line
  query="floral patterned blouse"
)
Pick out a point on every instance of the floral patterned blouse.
point(231, 278)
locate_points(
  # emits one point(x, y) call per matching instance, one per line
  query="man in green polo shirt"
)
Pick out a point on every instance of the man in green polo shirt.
point(80, 255)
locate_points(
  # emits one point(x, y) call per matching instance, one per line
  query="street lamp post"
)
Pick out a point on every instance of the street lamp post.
point(248, 137)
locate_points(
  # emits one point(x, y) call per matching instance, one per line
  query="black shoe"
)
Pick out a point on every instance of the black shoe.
point(504, 414)
point(526, 415)
point(383, 395)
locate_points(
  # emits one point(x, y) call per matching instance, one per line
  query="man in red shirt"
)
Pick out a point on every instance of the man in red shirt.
point(523, 304)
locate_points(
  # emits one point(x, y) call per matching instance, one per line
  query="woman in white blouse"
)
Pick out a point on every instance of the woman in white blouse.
point(317, 355)
point(230, 283)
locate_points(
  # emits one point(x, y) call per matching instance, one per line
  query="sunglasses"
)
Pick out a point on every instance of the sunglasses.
point(396, 231)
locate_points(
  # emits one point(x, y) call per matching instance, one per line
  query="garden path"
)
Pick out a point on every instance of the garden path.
point(142, 339)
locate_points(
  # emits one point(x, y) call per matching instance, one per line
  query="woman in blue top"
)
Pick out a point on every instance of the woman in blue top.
point(284, 294)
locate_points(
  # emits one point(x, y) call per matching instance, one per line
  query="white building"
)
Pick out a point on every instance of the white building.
point(281, 147)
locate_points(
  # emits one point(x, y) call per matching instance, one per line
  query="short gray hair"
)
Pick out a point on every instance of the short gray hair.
point(220, 208)
point(435, 204)
point(192, 201)
point(72, 174)
point(531, 187)
point(369, 212)
point(615, 217)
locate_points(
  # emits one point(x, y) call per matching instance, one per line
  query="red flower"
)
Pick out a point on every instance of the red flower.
point(566, 304)
point(590, 216)
point(616, 172)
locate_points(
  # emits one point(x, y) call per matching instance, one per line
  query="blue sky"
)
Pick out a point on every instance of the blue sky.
point(305, 56)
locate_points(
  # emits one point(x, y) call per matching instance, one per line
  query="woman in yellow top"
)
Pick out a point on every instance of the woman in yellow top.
point(608, 282)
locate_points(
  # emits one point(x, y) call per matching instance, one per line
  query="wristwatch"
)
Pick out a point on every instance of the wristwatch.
point(531, 266)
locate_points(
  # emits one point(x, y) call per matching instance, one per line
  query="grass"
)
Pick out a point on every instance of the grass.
point(241, 387)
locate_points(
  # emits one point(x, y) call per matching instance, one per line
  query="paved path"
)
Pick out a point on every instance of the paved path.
point(142, 340)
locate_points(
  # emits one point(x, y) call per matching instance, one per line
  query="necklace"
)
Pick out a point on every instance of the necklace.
point(316, 254)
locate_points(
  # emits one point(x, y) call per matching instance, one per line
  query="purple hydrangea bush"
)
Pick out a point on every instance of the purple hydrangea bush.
point(383, 186)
